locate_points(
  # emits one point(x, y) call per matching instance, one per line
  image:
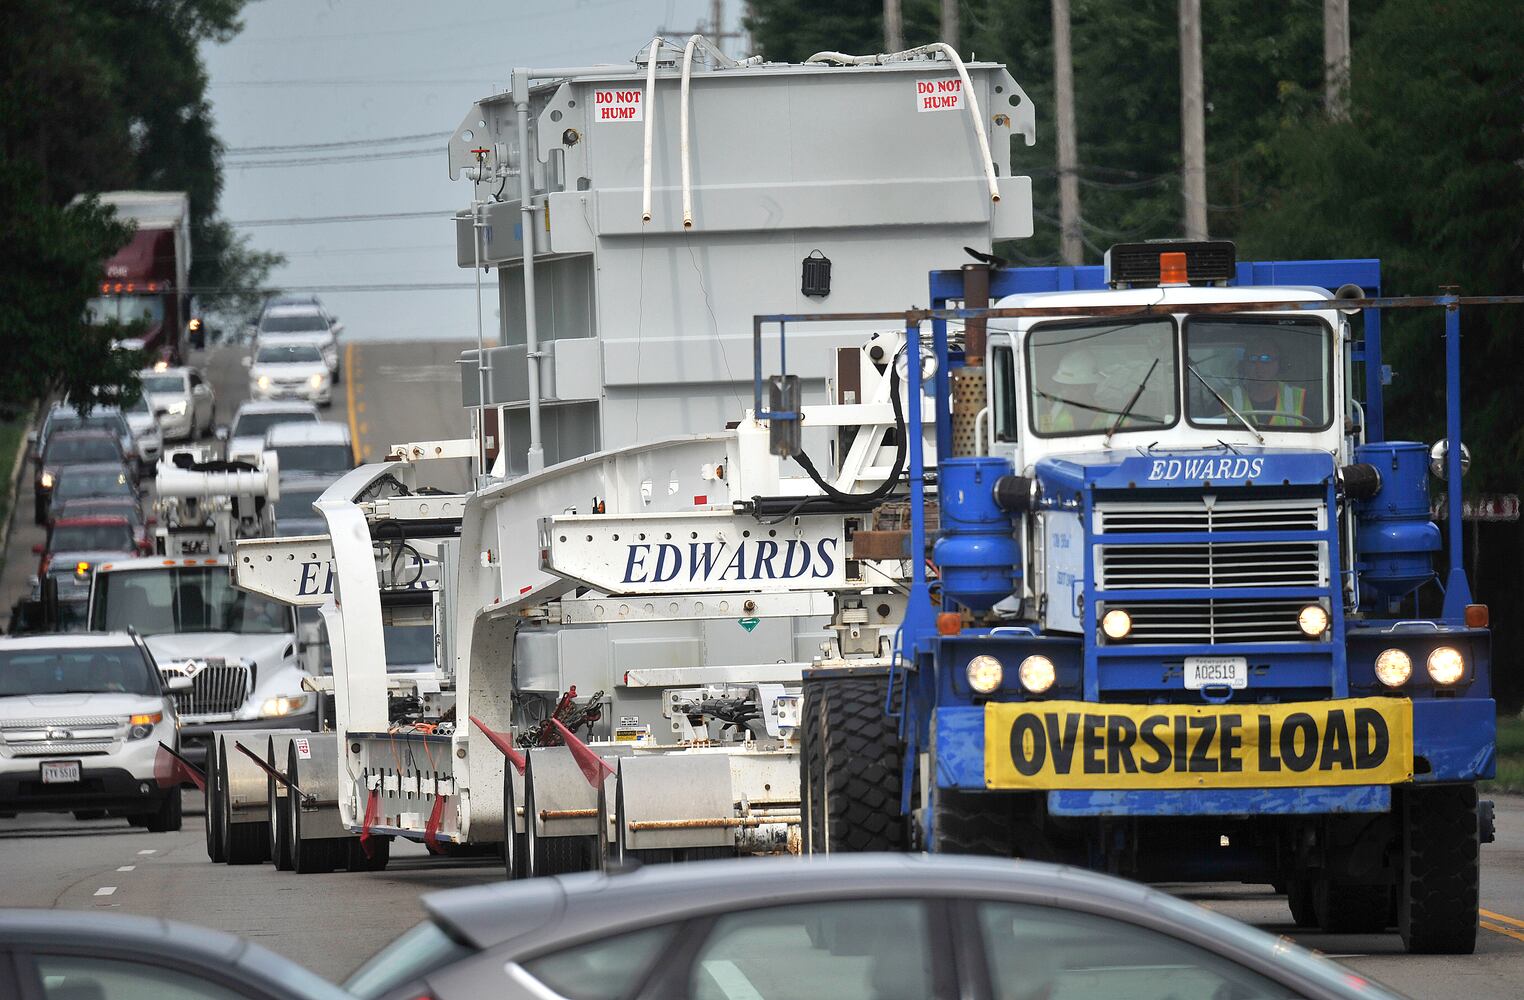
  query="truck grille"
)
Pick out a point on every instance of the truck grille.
point(1133, 561)
point(219, 689)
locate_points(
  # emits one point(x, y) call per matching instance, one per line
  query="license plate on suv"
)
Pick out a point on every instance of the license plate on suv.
point(60, 772)
point(1216, 671)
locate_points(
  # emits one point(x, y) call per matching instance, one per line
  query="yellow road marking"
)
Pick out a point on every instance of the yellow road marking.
point(364, 427)
point(1503, 917)
point(349, 394)
point(1500, 929)
point(359, 407)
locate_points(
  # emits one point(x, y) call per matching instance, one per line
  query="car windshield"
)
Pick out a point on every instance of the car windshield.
point(408, 647)
point(294, 323)
point(161, 383)
point(92, 483)
point(1276, 372)
point(139, 405)
point(86, 537)
point(75, 451)
point(103, 309)
point(182, 599)
point(295, 503)
point(315, 458)
point(1085, 378)
point(288, 354)
point(255, 424)
point(75, 670)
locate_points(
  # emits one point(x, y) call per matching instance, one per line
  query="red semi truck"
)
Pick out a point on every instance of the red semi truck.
point(147, 283)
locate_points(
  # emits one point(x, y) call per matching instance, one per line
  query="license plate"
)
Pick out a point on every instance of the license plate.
point(1216, 671)
point(60, 772)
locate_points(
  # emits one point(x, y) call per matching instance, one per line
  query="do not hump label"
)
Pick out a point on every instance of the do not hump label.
point(618, 106)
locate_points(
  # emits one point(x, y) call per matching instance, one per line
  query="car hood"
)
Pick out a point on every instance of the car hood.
point(161, 400)
point(265, 650)
point(94, 557)
point(142, 423)
point(291, 371)
point(42, 707)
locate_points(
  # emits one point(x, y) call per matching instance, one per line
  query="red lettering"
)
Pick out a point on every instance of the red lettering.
point(603, 96)
point(923, 87)
point(949, 86)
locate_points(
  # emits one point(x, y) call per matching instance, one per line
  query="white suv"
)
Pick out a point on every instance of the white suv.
point(81, 719)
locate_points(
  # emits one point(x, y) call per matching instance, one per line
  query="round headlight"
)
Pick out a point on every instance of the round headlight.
point(985, 673)
point(316, 381)
point(1117, 624)
point(1393, 667)
point(1446, 665)
point(1313, 620)
point(1037, 673)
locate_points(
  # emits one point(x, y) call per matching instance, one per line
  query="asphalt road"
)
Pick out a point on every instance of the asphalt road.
point(395, 392)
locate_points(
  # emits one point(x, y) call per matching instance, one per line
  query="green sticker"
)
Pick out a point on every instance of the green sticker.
point(749, 623)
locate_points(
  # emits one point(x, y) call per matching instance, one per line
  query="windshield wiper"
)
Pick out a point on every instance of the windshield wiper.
point(1136, 395)
point(1225, 404)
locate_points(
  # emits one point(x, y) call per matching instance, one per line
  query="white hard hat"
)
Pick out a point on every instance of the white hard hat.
point(1078, 367)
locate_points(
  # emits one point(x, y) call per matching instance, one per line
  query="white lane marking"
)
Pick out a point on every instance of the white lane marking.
point(105, 890)
point(126, 868)
point(150, 851)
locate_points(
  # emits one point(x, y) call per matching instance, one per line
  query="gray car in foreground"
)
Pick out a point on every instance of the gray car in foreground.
point(846, 927)
point(69, 955)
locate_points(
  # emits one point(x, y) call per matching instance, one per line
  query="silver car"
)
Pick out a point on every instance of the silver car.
point(81, 720)
point(844, 926)
point(183, 401)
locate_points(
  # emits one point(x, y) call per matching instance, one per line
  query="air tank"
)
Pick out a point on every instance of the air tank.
point(977, 553)
point(1395, 540)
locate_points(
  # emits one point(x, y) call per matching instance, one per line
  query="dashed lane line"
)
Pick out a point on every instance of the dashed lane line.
point(106, 890)
point(127, 868)
point(149, 851)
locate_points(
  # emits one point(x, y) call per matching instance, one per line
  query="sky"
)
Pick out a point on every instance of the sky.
point(393, 78)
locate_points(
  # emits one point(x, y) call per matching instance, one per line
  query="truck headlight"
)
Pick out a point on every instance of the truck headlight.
point(1393, 667)
point(285, 704)
point(47, 480)
point(985, 673)
point(316, 380)
point(1117, 624)
point(177, 409)
point(1313, 620)
point(1037, 673)
point(263, 382)
point(142, 725)
point(1446, 665)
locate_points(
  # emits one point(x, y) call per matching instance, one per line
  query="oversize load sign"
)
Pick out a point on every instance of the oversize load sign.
point(1084, 745)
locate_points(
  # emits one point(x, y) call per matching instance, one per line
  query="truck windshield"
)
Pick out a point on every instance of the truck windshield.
point(1085, 377)
point(1275, 371)
point(104, 309)
point(182, 599)
point(75, 670)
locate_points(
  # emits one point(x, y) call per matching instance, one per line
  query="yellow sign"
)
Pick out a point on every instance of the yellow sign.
point(1086, 745)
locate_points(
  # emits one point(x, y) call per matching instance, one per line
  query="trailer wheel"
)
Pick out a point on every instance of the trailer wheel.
point(1351, 909)
point(169, 817)
point(513, 841)
point(1299, 899)
point(280, 829)
point(553, 855)
point(380, 854)
point(850, 764)
point(971, 823)
point(1439, 895)
point(308, 857)
point(214, 846)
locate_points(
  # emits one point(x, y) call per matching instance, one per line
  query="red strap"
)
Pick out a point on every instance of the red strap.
point(504, 744)
point(372, 809)
point(594, 768)
point(170, 770)
point(431, 829)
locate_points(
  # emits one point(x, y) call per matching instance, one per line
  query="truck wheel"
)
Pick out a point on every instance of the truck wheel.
point(376, 861)
point(850, 765)
point(280, 826)
point(1351, 909)
point(170, 815)
point(1299, 899)
point(971, 823)
point(248, 843)
point(214, 850)
point(513, 843)
point(553, 855)
point(89, 814)
point(308, 857)
point(1439, 894)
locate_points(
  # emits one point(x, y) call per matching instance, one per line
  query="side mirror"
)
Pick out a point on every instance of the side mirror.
point(336, 327)
point(179, 683)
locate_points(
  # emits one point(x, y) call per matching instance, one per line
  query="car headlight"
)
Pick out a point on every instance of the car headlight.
point(263, 381)
point(1117, 624)
point(985, 673)
point(1037, 673)
point(285, 704)
point(177, 409)
point(1313, 620)
point(317, 379)
point(142, 725)
point(47, 480)
point(1393, 667)
point(1446, 665)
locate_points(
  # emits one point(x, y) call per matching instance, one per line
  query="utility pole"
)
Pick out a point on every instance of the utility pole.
point(1336, 59)
point(894, 27)
point(713, 29)
point(1068, 158)
point(1192, 124)
point(950, 22)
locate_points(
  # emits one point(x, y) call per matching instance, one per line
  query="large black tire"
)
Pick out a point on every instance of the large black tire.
point(553, 855)
point(513, 843)
point(84, 815)
point(1299, 899)
point(376, 861)
point(971, 823)
point(850, 767)
point(308, 857)
point(170, 815)
point(280, 831)
point(1351, 909)
point(214, 845)
point(248, 843)
point(1438, 899)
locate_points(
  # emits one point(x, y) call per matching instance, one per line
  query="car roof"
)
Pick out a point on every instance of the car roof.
point(99, 409)
point(274, 406)
point(323, 432)
point(63, 641)
point(81, 433)
point(290, 308)
point(96, 467)
point(173, 370)
point(91, 520)
point(168, 940)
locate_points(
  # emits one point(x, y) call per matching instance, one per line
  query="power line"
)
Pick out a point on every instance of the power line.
point(420, 286)
point(322, 220)
point(355, 158)
point(346, 144)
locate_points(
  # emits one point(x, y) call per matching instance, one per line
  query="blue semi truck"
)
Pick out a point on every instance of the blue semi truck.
point(1175, 611)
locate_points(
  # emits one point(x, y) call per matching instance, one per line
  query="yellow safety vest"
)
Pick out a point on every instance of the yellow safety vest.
point(1288, 399)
